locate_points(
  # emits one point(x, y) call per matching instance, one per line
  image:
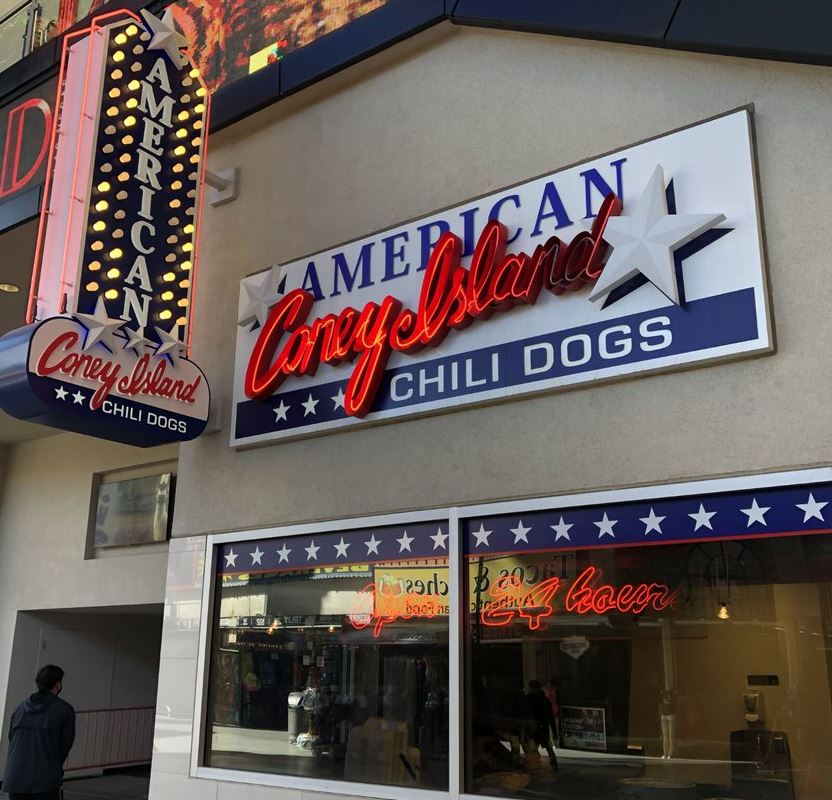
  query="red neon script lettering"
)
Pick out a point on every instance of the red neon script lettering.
point(586, 595)
point(378, 606)
point(61, 356)
point(451, 297)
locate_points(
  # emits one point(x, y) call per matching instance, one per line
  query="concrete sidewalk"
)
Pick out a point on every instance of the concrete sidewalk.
point(132, 785)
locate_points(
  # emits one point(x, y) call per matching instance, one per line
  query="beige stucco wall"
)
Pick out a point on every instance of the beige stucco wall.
point(446, 116)
point(44, 514)
point(439, 121)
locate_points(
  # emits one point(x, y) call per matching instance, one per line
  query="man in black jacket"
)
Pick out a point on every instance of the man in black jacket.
point(41, 734)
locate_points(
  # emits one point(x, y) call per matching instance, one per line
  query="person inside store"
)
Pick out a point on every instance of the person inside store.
point(539, 725)
point(41, 733)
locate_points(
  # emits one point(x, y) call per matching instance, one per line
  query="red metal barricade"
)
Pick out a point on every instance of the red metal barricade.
point(112, 737)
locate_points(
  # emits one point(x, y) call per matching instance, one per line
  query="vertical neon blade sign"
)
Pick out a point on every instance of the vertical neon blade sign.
point(125, 185)
point(111, 304)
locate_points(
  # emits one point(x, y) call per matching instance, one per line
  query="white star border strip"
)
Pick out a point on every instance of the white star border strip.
point(782, 511)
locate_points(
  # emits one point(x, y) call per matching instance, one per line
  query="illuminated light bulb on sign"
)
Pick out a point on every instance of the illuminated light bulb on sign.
point(121, 38)
point(165, 314)
point(111, 294)
point(99, 226)
point(116, 252)
point(189, 228)
point(129, 122)
point(128, 139)
point(123, 176)
point(114, 92)
point(179, 150)
point(187, 247)
point(102, 205)
point(113, 273)
point(132, 103)
point(181, 133)
point(133, 85)
point(723, 612)
point(92, 286)
point(94, 265)
point(185, 265)
point(182, 116)
point(132, 30)
point(167, 295)
point(112, 111)
point(118, 56)
point(104, 186)
point(168, 277)
point(183, 303)
point(116, 74)
point(97, 246)
point(178, 168)
point(194, 73)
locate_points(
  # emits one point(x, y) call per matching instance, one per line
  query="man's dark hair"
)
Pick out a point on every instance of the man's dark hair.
point(48, 677)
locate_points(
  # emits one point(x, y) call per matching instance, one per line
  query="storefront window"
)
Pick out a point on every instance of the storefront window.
point(692, 670)
point(330, 657)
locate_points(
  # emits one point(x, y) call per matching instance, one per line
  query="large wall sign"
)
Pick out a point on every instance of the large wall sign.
point(645, 259)
point(113, 283)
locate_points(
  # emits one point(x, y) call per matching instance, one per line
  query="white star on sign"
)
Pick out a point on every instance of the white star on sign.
point(261, 294)
point(283, 553)
point(645, 239)
point(812, 509)
point(99, 326)
point(481, 536)
point(61, 393)
point(338, 399)
point(231, 559)
point(136, 340)
point(257, 556)
point(309, 406)
point(439, 539)
point(562, 529)
point(404, 543)
point(372, 544)
point(605, 526)
point(652, 522)
point(341, 548)
point(755, 513)
point(702, 518)
point(169, 344)
point(520, 532)
point(312, 551)
point(281, 411)
point(78, 399)
point(165, 36)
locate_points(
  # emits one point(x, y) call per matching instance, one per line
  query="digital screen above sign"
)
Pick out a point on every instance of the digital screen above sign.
point(110, 308)
point(233, 39)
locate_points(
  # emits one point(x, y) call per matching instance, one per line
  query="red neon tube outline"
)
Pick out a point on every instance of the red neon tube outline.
point(68, 40)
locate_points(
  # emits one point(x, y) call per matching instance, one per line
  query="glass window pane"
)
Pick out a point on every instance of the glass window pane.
point(135, 511)
point(691, 670)
point(330, 657)
point(12, 38)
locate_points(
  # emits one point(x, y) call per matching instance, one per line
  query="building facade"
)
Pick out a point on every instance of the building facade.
point(625, 576)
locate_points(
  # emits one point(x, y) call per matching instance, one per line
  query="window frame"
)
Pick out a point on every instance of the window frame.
point(453, 517)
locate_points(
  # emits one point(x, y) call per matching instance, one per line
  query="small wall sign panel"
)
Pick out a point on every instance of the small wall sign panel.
point(645, 259)
point(110, 308)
